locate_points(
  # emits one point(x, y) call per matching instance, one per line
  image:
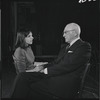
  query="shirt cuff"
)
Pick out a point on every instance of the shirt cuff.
point(45, 71)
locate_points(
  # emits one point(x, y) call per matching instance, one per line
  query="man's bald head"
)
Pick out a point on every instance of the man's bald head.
point(73, 26)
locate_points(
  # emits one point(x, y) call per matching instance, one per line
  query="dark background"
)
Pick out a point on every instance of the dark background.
point(47, 19)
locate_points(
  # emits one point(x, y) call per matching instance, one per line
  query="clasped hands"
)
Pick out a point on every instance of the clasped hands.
point(38, 67)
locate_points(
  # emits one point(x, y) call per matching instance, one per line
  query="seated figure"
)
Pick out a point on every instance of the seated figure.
point(23, 56)
point(62, 77)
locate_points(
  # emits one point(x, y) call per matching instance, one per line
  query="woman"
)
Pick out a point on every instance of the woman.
point(23, 55)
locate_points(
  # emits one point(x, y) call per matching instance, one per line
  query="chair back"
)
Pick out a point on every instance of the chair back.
point(15, 64)
point(83, 80)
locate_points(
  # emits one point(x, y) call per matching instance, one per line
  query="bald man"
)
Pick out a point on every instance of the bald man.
point(61, 78)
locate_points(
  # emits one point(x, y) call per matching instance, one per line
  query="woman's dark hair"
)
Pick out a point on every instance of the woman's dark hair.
point(20, 39)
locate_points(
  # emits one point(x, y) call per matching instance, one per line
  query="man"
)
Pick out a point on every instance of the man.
point(60, 78)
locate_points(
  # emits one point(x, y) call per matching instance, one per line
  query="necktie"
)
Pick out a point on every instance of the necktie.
point(63, 54)
point(67, 47)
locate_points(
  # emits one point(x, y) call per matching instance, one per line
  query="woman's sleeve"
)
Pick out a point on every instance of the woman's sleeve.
point(20, 61)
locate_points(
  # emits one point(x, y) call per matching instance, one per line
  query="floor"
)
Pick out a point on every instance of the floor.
point(91, 88)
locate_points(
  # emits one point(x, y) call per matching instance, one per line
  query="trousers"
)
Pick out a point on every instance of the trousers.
point(26, 86)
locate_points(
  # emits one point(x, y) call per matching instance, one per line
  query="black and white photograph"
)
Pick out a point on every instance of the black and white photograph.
point(49, 49)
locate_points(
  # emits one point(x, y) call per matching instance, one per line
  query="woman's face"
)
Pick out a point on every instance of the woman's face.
point(29, 38)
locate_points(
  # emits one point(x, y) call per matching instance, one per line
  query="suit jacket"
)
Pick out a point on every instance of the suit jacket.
point(24, 59)
point(64, 74)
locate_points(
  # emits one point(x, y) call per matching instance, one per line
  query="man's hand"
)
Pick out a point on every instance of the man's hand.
point(38, 68)
point(40, 63)
point(42, 71)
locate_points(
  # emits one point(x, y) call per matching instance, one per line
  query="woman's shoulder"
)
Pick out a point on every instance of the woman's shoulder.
point(19, 51)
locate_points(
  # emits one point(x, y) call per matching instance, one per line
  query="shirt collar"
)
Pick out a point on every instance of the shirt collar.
point(74, 41)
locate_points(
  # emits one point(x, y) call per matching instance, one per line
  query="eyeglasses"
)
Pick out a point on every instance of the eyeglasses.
point(68, 31)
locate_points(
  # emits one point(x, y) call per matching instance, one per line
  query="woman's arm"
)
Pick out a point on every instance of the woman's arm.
point(20, 60)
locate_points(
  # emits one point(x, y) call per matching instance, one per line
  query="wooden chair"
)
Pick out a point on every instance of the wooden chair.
point(80, 91)
point(83, 81)
point(15, 64)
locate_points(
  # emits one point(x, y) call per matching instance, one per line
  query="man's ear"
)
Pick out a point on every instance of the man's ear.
point(75, 34)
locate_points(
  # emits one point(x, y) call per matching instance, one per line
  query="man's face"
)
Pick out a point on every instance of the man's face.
point(69, 35)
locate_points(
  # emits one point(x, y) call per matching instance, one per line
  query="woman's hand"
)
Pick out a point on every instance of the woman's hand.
point(36, 69)
point(40, 63)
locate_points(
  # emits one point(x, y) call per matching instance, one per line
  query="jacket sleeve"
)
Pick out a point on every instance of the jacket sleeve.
point(71, 61)
point(20, 60)
point(56, 59)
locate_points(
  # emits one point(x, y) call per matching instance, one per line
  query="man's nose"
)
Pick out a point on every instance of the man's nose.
point(63, 35)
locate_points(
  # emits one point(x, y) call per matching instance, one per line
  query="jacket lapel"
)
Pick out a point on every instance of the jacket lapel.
point(72, 48)
point(66, 48)
point(76, 44)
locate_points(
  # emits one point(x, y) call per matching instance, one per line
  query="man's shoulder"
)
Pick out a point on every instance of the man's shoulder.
point(81, 42)
point(87, 44)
